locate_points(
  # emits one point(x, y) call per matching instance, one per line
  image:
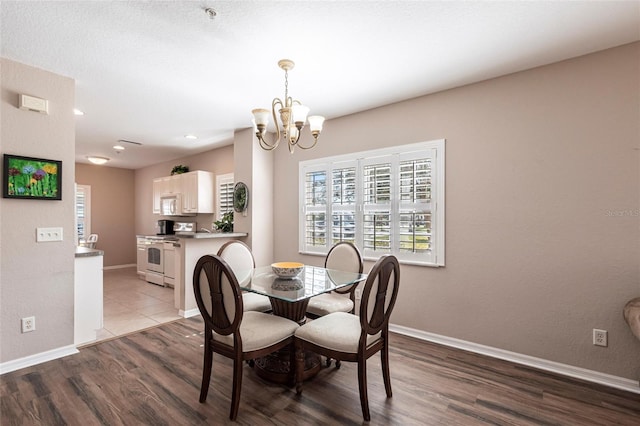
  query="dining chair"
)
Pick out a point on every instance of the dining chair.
point(239, 257)
point(347, 337)
point(343, 256)
point(228, 330)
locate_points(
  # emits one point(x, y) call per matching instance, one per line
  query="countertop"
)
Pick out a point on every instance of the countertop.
point(204, 235)
point(88, 252)
point(197, 236)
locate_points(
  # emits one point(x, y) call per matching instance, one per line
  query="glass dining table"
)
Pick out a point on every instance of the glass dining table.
point(289, 298)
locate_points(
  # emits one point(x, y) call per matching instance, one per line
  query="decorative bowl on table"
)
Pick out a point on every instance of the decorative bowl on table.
point(287, 270)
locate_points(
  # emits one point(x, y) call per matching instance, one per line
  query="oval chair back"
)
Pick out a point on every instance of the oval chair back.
point(239, 257)
point(344, 256)
point(218, 295)
point(379, 297)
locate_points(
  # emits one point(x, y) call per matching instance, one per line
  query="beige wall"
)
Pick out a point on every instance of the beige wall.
point(540, 167)
point(36, 279)
point(112, 211)
point(218, 161)
point(254, 167)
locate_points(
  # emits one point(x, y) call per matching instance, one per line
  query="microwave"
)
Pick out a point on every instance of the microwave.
point(171, 205)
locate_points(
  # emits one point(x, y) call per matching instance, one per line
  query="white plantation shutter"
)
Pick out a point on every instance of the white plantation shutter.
point(415, 205)
point(315, 208)
point(343, 203)
point(377, 218)
point(224, 185)
point(83, 211)
point(384, 201)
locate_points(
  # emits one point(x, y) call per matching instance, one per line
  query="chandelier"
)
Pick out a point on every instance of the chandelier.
point(293, 116)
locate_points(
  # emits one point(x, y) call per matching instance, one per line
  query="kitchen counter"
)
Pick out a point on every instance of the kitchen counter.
point(188, 251)
point(88, 252)
point(88, 294)
point(200, 235)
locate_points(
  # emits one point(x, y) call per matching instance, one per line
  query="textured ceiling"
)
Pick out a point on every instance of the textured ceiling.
point(154, 71)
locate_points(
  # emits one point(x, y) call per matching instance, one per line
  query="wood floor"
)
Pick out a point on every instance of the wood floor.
point(153, 378)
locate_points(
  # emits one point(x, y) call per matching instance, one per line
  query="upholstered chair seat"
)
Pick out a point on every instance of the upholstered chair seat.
point(255, 302)
point(259, 330)
point(327, 303)
point(339, 331)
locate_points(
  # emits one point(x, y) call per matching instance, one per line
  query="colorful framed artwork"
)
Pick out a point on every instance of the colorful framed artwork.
point(31, 178)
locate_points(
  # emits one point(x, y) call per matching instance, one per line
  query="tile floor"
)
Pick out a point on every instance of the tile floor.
point(132, 304)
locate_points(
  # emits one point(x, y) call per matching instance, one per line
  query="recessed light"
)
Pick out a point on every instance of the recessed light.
point(76, 111)
point(190, 136)
point(97, 160)
point(118, 147)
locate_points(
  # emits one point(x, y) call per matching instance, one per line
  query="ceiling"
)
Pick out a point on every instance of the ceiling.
point(155, 71)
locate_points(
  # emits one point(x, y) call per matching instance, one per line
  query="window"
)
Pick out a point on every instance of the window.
point(388, 201)
point(83, 211)
point(224, 189)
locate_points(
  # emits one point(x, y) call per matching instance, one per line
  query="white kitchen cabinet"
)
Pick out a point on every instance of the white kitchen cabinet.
point(167, 185)
point(157, 193)
point(141, 260)
point(169, 264)
point(196, 189)
point(197, 192)
point(88, 295)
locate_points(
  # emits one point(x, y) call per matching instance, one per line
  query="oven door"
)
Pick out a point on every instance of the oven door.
point(155, 258)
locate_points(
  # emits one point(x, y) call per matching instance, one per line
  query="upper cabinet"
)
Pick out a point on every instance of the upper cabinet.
point(195, 188)
point(162, 186)
point(197, 192)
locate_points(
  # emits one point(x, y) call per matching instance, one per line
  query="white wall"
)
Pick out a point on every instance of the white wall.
point(37, 278)
point(541, 166)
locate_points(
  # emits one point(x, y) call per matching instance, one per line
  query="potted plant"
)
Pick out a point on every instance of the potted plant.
point(225, 224)
point(179, 169)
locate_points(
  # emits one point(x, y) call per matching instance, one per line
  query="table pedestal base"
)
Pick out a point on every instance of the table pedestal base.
point(276, 367)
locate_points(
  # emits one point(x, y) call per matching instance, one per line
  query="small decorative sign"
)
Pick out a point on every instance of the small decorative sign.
point(31, 178)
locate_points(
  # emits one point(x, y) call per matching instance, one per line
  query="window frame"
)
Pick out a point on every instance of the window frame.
point(433, 150)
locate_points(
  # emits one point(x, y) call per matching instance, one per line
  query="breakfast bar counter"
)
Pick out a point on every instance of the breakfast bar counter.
point(191, 248)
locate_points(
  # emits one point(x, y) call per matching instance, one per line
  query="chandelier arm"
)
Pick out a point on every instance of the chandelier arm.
point(315, 141)
point(264, 144)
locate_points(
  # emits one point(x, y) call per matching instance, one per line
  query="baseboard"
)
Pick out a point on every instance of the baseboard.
point(190, 313)
point(28, 361)
point(530, 361)
point(129, 265)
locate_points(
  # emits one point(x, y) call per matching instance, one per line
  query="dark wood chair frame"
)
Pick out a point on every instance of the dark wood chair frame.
point(214, 268)
point(377, 323)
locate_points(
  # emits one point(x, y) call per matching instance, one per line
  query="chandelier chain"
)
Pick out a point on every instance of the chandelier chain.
point(286, 86)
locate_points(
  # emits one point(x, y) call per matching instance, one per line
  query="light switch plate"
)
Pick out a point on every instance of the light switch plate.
point(48, 234)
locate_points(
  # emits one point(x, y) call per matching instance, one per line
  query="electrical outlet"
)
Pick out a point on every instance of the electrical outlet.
point(599, 337)
point(28, 324)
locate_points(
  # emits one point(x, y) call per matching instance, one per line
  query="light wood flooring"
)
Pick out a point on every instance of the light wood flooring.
point(131, 304)
point(153, 377)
